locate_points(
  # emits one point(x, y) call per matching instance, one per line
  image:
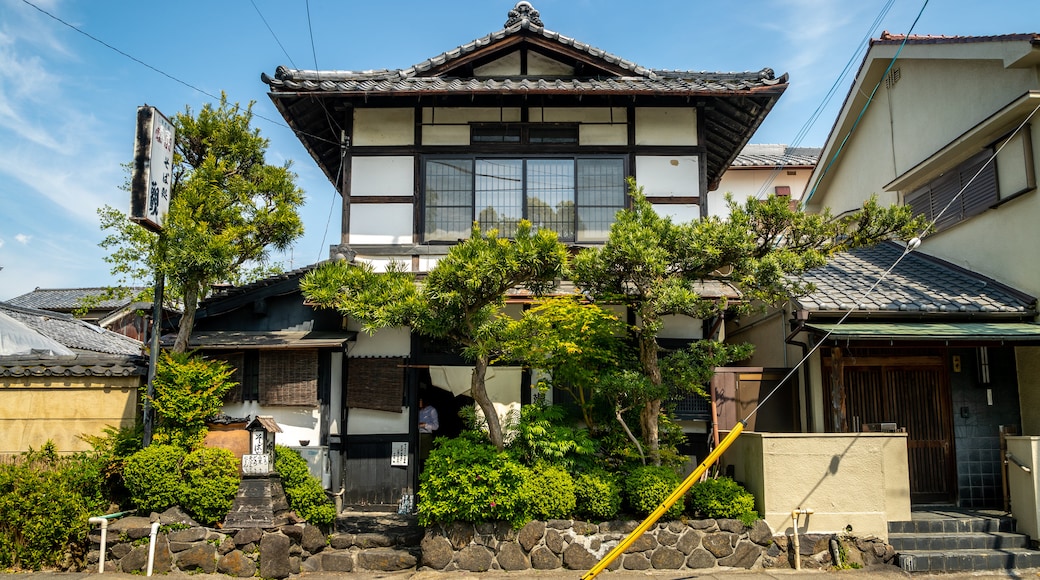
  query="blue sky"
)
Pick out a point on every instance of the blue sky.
point(68, 102)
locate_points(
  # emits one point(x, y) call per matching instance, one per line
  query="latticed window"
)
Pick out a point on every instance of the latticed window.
point(577, 197)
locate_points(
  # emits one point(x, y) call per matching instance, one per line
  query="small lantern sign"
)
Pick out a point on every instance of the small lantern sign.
point(261, 446)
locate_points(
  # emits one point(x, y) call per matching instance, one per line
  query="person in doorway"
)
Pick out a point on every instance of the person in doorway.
point(428, 424)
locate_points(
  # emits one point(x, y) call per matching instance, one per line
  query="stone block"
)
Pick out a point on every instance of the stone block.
point(274, 556)
point(437, 552)
point(201, 557)
point(337, 562)
point(511, 557)
point(236, 564)
point(576, 557)
point(474, 559)
point(531, 534)
point(745, 555)
point(386, 559)
point(667, 558)
point(543, 558)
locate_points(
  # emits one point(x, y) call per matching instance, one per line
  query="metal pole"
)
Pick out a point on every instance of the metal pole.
point(667, 503)
point(153, 355)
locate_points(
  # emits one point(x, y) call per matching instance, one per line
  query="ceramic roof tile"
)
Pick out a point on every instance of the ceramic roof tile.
point(72, 333)
point(919, 283)
point(765, 155)
point(64, 299)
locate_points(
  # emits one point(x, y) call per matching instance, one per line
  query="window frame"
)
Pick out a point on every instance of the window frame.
point(473, 158)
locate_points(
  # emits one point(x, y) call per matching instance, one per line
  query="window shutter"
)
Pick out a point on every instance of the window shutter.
point(981, 194)
point(375, 383)
point(289, 378)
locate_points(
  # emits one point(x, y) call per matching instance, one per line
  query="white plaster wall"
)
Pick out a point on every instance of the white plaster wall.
point(297, 423)
point(508, 65)
point(672, 175)
point(335, 394)
point(372, 422)
point(679, 326)
point(380, 264)
point(666, 126)
point(756, 183)
point(538, 64)
point(393, 342)
point(384, 127)
point(463, 115)
point(382, 175)
point(445, 134)
point(602, 135)
point(381, 223)
point(608, 115)
point(680, 213)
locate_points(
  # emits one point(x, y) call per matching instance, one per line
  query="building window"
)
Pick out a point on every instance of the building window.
point(577, 197)
point(938, 200)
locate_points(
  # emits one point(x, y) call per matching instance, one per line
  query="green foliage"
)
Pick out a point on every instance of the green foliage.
point(303, 491)
point(597, 495)
point(228, 207)
point(550, 492)
point(467, 479)
point(646, 487)
point(45, 501)
point(573, 342)
point(188, 391)
point(460, 299)
point(722, 498)
point(153, 477)
point(542, 434)
point(209, 482)
point(689, 370)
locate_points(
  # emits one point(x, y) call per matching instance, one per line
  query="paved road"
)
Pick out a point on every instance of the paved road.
point(873, 573)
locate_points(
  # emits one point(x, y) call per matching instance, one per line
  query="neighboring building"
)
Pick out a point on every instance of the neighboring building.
point(946, 347)
point(123, 315)
point(522, 123)
point(762, 170)
point(61, 378)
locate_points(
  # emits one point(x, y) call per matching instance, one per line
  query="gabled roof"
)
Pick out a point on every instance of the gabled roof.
point(234, 296)
point(756, 155)
point(73, 333)
point(69, 299)
point(920, 285)
point(735, 103)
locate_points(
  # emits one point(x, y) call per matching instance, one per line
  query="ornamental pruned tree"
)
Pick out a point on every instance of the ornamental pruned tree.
point(655, 266)
point(460, 300)
point(228, 209)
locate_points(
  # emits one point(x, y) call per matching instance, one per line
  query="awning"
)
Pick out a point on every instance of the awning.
point(958, 331)
point(261, 339)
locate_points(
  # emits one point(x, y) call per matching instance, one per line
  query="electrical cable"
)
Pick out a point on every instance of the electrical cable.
point(275, 36)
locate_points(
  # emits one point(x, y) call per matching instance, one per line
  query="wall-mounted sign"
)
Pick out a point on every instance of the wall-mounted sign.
point(399, 454)
point(152, 177)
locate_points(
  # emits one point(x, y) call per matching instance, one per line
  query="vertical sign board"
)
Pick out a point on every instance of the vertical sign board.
point(153, 169)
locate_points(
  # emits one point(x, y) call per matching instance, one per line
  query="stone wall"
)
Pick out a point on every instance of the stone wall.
point(677, 545)
point(294, 548)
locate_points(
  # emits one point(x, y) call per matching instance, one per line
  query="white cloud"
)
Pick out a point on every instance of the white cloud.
point(22, 239)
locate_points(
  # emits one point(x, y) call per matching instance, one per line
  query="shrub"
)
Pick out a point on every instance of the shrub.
point(597, 495)
point(188, 391)
point(648, 486)
point(153, 477)
point(550, 493)
point(543, 435)
point(467, 479)
point(723, 498)
point(210, 481)
point(111, 450)
point(45, 501)
point(303, 491)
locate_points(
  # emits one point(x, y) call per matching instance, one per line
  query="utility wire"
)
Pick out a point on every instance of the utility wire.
point(275, 36)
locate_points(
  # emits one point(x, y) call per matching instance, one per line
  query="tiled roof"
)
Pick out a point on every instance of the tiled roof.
point(67, 299)
point(72, 333)
point(397, 82)
point(889, 38)
point(762, 155)
point(920, 284)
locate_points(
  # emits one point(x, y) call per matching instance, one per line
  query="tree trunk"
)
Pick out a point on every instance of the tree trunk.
point(479, 391)
point(651, 413)
point(191, 304)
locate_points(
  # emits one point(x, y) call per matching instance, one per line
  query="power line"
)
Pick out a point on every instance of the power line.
point(275, 36)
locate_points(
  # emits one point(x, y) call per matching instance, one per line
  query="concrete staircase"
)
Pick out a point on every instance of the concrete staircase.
point(960, 541)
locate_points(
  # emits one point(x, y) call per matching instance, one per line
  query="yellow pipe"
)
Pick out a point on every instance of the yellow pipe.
point(667, 503)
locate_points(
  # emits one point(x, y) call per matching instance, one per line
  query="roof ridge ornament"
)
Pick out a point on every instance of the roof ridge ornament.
point(523, 11)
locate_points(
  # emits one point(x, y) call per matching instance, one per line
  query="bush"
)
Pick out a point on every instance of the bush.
point(550, 492)
point(648, 486)
point(153, 477)
point(597, 495)
point(45, 501)
point(303, 491)
point(723, 498)
point(209, 482)
point(466, 479)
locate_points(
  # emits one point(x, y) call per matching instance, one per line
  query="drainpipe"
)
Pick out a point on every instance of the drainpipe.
point(151, 546)
point(103, 521)
point(794, 517)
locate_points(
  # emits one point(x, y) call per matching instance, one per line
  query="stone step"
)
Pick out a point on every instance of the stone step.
point(958, 541)
point(967, 560)
point(952, 525)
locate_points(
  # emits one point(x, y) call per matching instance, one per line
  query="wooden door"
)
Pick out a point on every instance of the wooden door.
point(917, 398)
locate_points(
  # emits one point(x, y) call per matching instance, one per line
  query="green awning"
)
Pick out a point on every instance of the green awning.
point(959, 331)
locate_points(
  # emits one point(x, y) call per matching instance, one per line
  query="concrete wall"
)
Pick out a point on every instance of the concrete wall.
point(1023, 486)
point(1027, 361)
point(60, 409)
point(848, 479)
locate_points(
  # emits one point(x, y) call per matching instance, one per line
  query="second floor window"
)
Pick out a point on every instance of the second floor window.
point(577, 197)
